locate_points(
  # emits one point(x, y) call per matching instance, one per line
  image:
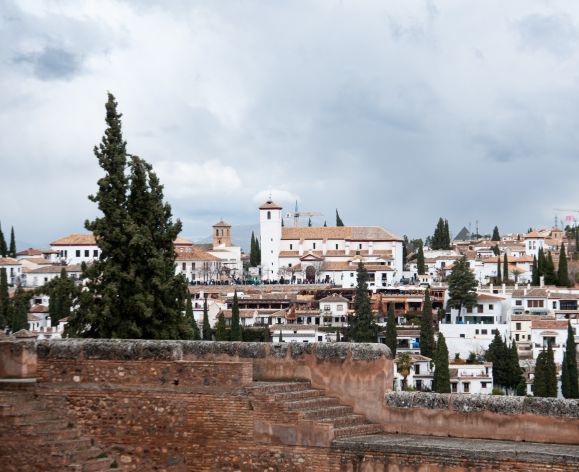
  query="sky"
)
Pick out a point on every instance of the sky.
point(395, 113)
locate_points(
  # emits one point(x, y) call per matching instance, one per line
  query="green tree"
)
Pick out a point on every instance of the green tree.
point(563, 271)
point(207, 332)
point(12, 250)
point(3, 247)
point(236, 334)
point(550, 274)
point(258, 251)
point(132, 290)
point(515, 372)
point(535, 273)
point(420, 265)
point(391, 340)
point(191, 318)
point(446, 235)
point(363, 328)
point(19, 311)
point(550, 373)
point(499, 277)
point(539, 381)
point(427, 344)
point(461, 286)
point(441, 379)
point(505, 269)
point(339, 221)
point(404, 365)
point(569, 380)
point(63, 295)
point(498, 353)
point(496, 250)
point(253, 251)
point(5, 307)
point(325, 224)
point(220, 330)
point(309, 222)
point(496, 235)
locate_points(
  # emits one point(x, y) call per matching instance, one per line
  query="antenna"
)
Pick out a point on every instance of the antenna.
point(556, 222)
point(477, 235)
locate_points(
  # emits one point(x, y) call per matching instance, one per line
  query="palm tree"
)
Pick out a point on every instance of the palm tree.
point(404, 364)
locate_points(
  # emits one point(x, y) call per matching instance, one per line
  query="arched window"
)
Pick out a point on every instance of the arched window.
point(269, 215)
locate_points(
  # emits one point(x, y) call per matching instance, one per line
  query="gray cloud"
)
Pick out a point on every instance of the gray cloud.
point(395, 113)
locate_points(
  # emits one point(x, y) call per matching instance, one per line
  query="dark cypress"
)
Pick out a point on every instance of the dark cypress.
point(220, 329)
point(461, 286)
point(570, 386)
point(190, 316)
point(505, 269)
point(539, 380)
point(550, 275)
point(4, 300)
point(535, 273)
point(420, 265)
point(236, 334)
point(427, 345)
point(563, 271)
point(550, 374)
point(339, 221)
point(207, 332)
point(363, 328)
point(499, 277)
point(12, 250)
point(496, 236)
point(391, 340)
point(3, 248)
point(19, 311)
point(441, 379)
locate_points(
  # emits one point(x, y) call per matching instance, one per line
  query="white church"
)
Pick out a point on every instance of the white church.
point(316, 254)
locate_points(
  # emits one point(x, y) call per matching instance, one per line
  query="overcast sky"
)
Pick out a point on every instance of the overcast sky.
point(395, 113)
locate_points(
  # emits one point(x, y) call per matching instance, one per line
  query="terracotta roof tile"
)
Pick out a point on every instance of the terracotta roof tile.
point(75, 239)
point(270, 205)
point(549, 324)
point(350, 233)
point(8, 261)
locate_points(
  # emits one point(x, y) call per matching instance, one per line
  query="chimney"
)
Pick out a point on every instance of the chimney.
point(491, 288)
point(542, 281)
point(525, 290)
point(504, 289)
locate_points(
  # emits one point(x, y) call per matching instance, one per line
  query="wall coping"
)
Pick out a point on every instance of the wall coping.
point(137, 349)
point(500, 404)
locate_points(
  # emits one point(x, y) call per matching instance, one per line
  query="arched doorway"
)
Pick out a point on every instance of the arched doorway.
point(311, 274)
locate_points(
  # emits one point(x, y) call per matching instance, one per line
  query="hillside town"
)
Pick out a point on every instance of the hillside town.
point(301, 283)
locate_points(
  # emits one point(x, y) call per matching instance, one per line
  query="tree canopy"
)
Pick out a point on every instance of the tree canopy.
point(362, 325)
point(461, 285)
point(427, 344)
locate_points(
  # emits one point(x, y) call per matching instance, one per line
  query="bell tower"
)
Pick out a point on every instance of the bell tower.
point(270, 238)
point(221, 234)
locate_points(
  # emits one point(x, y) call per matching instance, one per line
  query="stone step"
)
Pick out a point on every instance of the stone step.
point(327, 412)
point(311, 403)
point(357, 430)
point(263, 388)
point(297, 395)
point(343, 421)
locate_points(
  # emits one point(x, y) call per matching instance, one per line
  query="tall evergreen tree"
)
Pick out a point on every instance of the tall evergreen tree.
point(236, 334)
point(191, 318)
point(420, 265)
point(514, 371)
point(441, 378)
point(3, 248)
point(325, 224)
point(563, 271)
point(550, 274)
point(207, 332)
point(446, 235)
point(391, 340)
point(498, 354)
point(362, 325)
point(12, 250)
point(220, 329)
point(427, 344)
point(550, 373)
point(309, 222)
point(496, 236)
point(63, 295)
point(539, 380)
point(499, 277)
point(541, 264)
point(437, 240)
point(132, 290)
point(19, 312)
point(535, 273)
point(339, 221)
point(569, 380)
point(4, 300)
point(505, 269)
point(461, 286)
point(252, 251)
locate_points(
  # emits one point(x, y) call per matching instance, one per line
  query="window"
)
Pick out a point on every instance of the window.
point(491, 307)
point(454, 388)
point(479, 308)
point(86, 253)
point(518, 326)
point(469, 309)
point(484, 384)
point(554, 304)
point(462, 335)
point(340, 307)
point(517, 337)
point(336, 247)
point(419, 385)
point(476, 331)
point(290, 264)
point(417, 369)
point(291, 246)
point(483, 331)
point(326, 307)
point(268, 216)
point(360, 246)
point(193, 265)
point(78, 253)
point(466, 387)
point(184, 266)
point(95, 253)
point(519, 302)
point(535, 303)
point(314, 245)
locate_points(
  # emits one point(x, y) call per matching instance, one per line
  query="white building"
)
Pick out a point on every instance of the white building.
point(553, 332)
point(13, 269)
point(37, 277)
point(334, 310)
point(471, 378)
point(326, 254)
point(533, 242)
point(225, 251)
point(420, 376)
point(300, 334)
point(76, 248)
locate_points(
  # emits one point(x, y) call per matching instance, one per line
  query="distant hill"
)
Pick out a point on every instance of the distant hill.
point(240, 236)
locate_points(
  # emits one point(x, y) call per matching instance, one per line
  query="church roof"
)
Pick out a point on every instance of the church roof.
point(222, 223)
point(463, 235)
point(351, 233)
point(270, 205)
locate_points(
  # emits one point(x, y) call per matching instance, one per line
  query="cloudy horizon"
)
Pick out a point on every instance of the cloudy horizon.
point(396, 115)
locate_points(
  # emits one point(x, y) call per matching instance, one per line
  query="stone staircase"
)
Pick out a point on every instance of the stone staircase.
point(305, 403)
point(36, 435)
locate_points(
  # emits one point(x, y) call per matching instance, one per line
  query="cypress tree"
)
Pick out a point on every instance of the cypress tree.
point(535, 273)
point(550, 374)
point(3, 248)
point(19, 312)
point(539, 381)
point(496, 236)
point(4, 300)
point(207, 333)
point(63, 295)
point(498, 278)
point(441, 379)
point(461, 286)
point(569, 380)
point(339, 221)
point(420, 265)
point(282, 223)
point(436, 241)
point(505, 269)
point(252, 261)
point(498, 353)
point(236, 334)
point(12, 251)
point(427, 345)
point(191, 318)
point(563, 271)
point(391, 340)
point(496, 250)
point(446, 235)
point(363, 327)
point(309, 222)
point(515, 372)
point(325, 225)
point(220, 330)
point(132, 290)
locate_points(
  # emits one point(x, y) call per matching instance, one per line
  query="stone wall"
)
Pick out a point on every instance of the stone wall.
point(17, 359)
point(546, 420)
